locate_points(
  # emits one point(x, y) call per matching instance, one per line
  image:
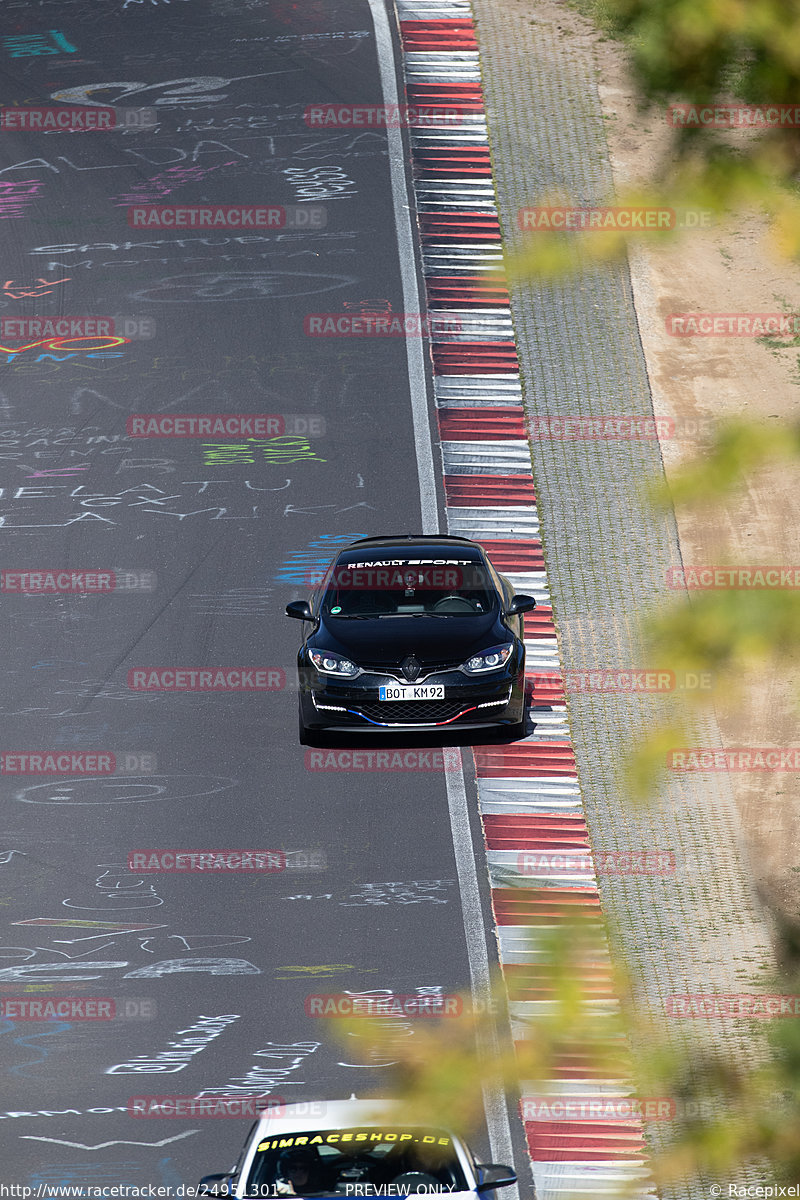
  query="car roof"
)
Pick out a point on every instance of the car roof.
point(337, 1114)
point(410, 538)
point(435, 546)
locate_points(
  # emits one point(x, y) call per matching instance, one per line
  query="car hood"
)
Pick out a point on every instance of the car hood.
point(387, 640)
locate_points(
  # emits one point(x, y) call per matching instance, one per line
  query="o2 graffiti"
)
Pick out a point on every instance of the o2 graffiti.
point(192, 89)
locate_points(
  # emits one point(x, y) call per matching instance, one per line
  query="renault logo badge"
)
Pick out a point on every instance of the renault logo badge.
point(411, 667)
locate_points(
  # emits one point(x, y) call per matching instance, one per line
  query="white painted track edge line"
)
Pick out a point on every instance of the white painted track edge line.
point(496, 1108)
point(497, 1117)
point(411, 298)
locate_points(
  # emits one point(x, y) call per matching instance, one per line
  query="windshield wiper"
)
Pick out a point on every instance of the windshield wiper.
point(353, 616)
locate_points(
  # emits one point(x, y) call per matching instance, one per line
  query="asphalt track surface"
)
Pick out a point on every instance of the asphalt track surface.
point(212, 544)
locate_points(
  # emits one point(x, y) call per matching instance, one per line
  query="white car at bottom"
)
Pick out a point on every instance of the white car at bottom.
point(351, 1148)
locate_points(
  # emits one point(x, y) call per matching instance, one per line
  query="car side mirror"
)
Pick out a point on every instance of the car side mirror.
point(495, 1175)
point(520, 604)
point(216, 1185)
point(300, 610)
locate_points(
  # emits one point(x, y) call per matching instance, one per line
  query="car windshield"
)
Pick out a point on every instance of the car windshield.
point(407, 589)
point(394, 1161)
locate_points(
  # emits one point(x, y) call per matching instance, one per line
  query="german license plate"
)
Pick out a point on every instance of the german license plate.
point(419, 691)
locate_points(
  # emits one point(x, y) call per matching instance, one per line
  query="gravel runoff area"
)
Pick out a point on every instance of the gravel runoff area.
point(699, 929)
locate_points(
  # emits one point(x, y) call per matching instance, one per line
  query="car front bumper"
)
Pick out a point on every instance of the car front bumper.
point(348, 705)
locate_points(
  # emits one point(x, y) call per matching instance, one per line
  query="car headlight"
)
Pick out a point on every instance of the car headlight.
point(332, 664)
point(488, 660)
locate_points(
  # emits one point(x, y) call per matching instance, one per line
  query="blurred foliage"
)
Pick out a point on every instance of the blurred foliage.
point(645, 767)
point(738, 447)
point(714, 53)
point(702, 49)
point(726, 633)
point(724, 1115)
point(444, 1066)
point(705, 53)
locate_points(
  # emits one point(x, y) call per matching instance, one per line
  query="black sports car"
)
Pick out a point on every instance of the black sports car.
point(412, 633)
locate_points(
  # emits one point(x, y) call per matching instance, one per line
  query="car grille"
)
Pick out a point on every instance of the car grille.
point(394, 670)
point(406, 712)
